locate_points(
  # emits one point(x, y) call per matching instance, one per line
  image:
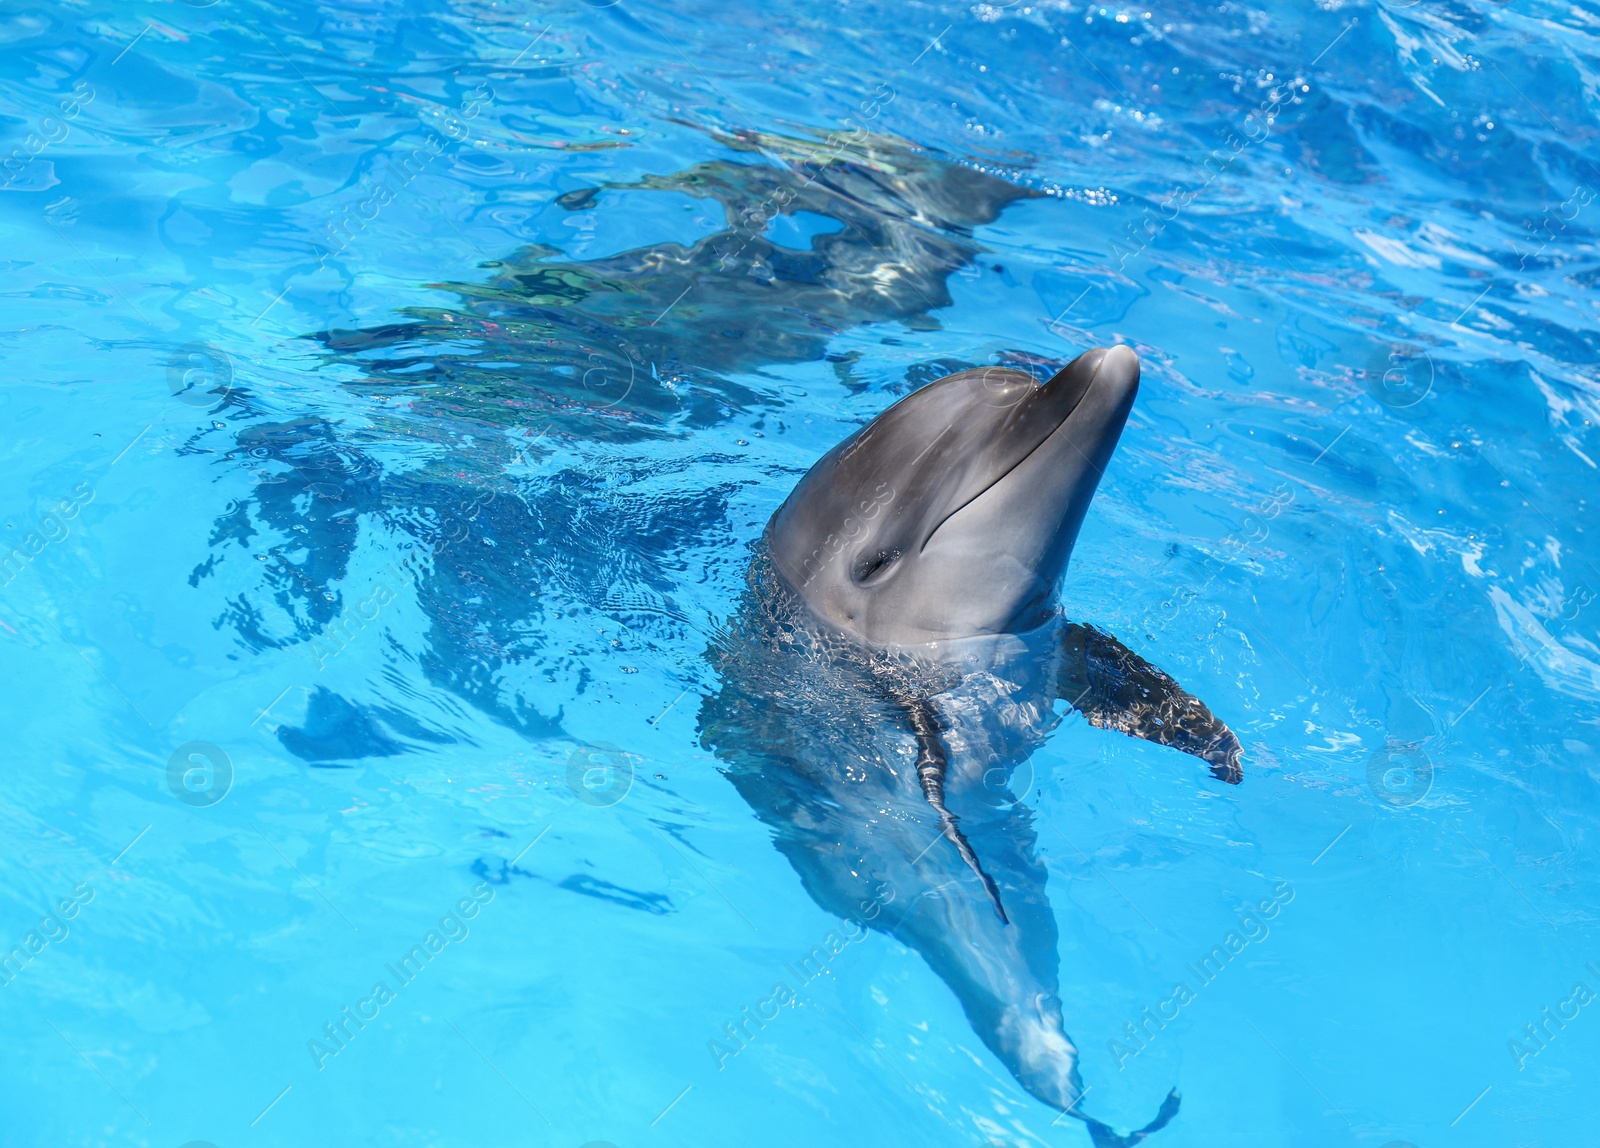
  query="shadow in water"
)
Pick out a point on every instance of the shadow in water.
point(630, 344)
point(632, 347)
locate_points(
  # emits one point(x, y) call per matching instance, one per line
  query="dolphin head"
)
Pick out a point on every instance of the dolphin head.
point(953, 513)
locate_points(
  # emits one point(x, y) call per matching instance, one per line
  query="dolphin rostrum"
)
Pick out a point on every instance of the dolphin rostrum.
point(898, 653)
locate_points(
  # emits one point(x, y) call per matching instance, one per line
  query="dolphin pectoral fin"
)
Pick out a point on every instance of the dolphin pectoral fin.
point(1104, 1136)
point(1114, 688)
point(931, 765)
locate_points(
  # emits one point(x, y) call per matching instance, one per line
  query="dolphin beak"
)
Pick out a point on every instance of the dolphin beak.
point(1118, 369)
point(1097, 419)
point(1091, 396)
point(1110, 372)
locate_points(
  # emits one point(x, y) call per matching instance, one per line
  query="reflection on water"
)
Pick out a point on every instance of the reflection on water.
point(639, 342)
point(548, 354)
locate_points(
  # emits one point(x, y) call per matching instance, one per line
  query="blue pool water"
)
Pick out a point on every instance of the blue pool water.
point(393, 392)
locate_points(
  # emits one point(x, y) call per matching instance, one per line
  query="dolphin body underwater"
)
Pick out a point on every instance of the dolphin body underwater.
point(897, 654)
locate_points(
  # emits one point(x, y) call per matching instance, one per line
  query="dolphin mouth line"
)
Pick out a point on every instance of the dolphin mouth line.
point(999, 478)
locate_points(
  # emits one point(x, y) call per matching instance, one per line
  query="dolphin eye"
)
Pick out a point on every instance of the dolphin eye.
point(869, 565)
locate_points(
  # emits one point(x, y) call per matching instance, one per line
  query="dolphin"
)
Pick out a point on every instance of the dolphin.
point(897, 653)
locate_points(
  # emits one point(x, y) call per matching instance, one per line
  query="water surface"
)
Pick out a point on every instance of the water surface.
point(393, 394)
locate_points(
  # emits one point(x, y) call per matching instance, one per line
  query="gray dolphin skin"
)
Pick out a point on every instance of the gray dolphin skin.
point(897, 655)
point(953, 513)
